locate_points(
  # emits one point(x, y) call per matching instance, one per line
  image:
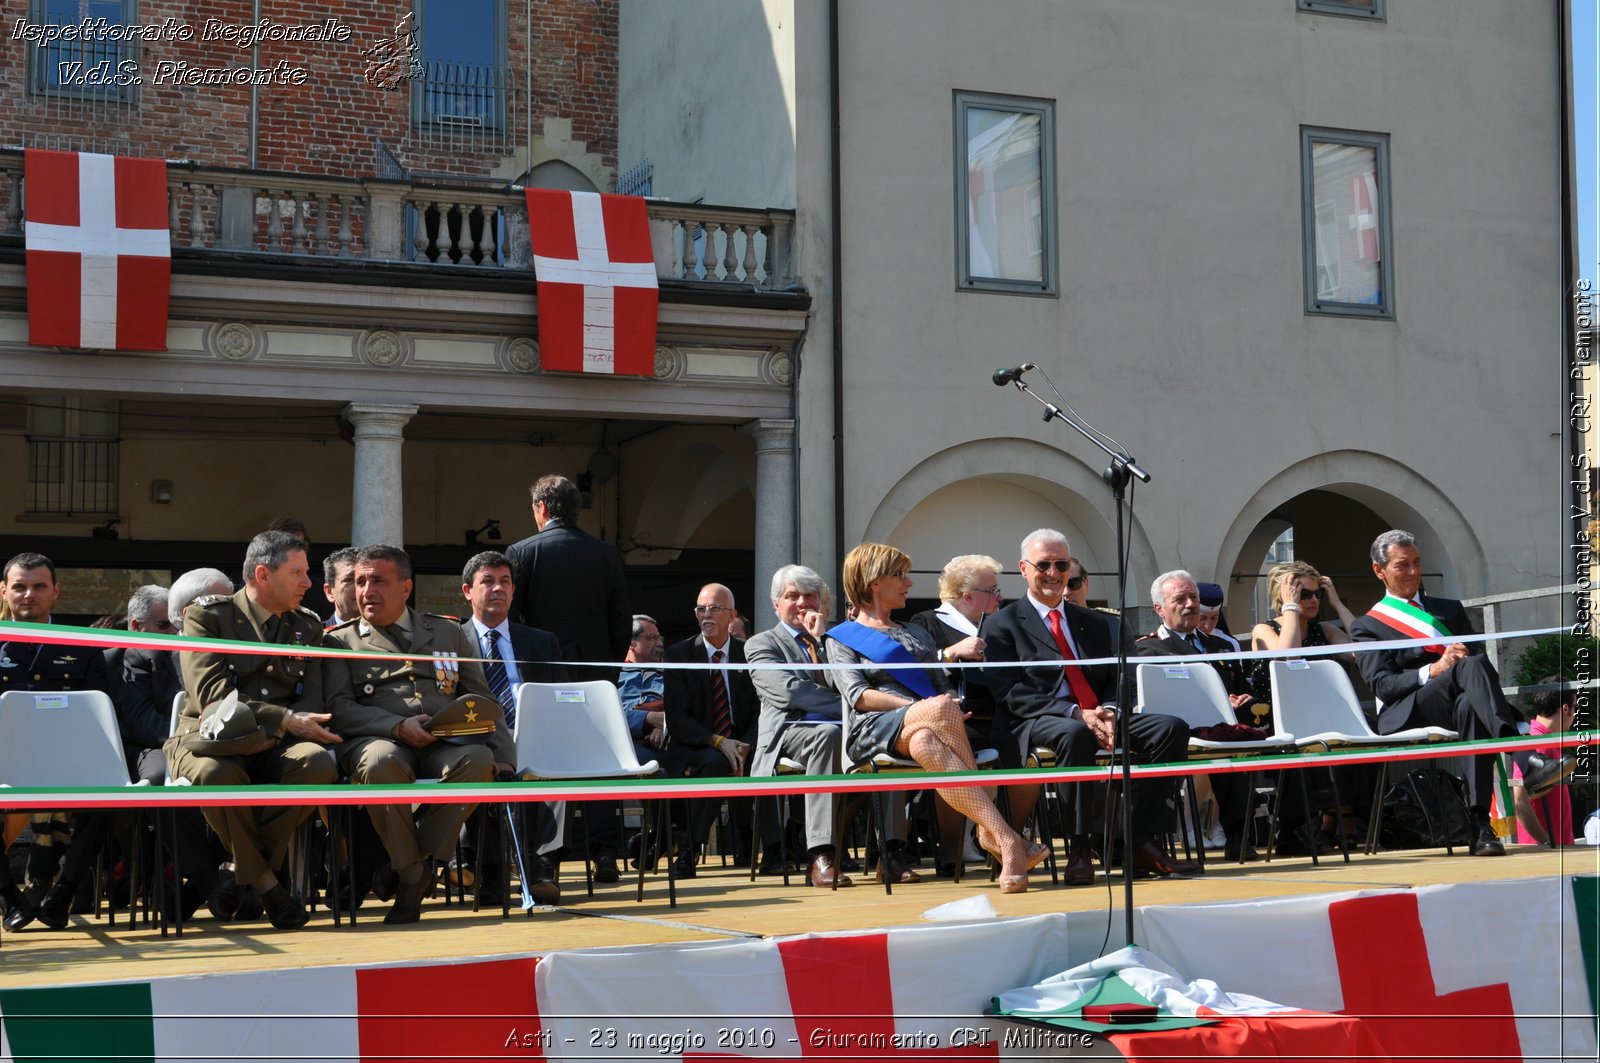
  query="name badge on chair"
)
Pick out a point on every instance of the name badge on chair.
point(570, 697)
point(1299, 664)
point(49, 701)
point(1175, 671)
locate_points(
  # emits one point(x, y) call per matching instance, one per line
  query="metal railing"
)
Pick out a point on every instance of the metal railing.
point(76, 477)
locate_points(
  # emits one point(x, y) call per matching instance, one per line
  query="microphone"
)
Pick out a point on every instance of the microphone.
point(1002, 377)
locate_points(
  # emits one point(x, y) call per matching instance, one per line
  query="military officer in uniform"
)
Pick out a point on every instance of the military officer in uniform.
point(283, 693)
point(383, 709)
point(30, 595)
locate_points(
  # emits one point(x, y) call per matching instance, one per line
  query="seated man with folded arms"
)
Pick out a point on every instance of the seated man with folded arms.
point(801, 715)
point(279, 733)
point(383, 708)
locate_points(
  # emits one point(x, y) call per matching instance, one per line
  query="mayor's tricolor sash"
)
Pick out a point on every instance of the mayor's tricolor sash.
point(1410, 621)
point(875, 646)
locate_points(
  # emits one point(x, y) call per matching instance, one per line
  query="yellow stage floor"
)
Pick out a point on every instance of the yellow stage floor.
point(718, 904)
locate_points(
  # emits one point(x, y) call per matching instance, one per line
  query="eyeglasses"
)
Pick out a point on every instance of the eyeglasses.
point(986, 590)
point(1306, 594)
point(165, 625)
point(710, 610)
point(1076, 581)
point(1050, 566)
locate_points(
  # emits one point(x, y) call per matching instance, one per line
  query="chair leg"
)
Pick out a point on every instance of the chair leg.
point(1272, 815)
point(1375, 817)
point(1194, 812)
point(1338, 816)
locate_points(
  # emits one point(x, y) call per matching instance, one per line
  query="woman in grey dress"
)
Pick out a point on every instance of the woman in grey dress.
point(911, 712)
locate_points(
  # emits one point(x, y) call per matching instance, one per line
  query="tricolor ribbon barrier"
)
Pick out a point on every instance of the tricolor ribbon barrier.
point(19, 798)
point(1504, 970)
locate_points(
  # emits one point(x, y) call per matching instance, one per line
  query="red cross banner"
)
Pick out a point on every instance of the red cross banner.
point(98, 250)
point(597, 282)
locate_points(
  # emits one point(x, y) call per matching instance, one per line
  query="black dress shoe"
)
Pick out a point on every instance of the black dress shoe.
point(1231, 850)
point(1148, 859)
point(57, 904)
point(894, 869)
point(605, 869)
point(1544, 774)
point(544, 881)
point(1486, 843)
point(283, 910)
point(224, 899)
point(1079, 870)
point(24, 907)
point(408, 899)
point(683, 865)
point(385, 882)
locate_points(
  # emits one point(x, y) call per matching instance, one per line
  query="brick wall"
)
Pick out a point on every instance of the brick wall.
point(322, 116)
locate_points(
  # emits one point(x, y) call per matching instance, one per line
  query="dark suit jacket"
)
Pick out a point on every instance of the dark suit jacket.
point(150, 681)
point(1393, 675)
point(688, 695)
point(538, 653)
point(1233, 676)
point(572, 584)
point(41, 666)
point(975, 695)
point(1016, 634)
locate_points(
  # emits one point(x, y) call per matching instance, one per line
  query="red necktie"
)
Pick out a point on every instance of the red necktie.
point(721, 718)
point(1081, 690)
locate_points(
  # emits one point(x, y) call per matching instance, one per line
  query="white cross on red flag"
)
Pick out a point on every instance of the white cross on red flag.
point(98, 250)
point(597, 282)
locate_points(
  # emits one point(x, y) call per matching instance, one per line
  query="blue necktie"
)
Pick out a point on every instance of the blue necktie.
point(494, 670)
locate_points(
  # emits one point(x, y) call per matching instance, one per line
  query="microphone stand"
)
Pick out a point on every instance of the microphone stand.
point(1116, 476)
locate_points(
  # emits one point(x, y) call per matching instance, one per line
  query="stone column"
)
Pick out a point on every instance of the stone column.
point(775, 510)
point(377, 513)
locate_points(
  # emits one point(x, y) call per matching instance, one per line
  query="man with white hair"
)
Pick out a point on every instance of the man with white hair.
point(1071, 710)
point(801, 715)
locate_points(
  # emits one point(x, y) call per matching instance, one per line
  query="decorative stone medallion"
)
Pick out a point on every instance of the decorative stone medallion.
point(669, 363)
point(382, 348)
point(235, 341)
point(778, 368)
point(522, 355)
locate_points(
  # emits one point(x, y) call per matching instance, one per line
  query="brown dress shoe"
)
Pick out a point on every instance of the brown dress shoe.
point(893, 867)
point(1079, 870)
point(824, 873)
point(1148, 859)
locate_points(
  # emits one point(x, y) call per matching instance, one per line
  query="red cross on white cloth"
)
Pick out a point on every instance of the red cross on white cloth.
point(98, 249)
point(597, 282)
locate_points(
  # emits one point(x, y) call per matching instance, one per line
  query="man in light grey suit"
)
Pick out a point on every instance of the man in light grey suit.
point(800, 713)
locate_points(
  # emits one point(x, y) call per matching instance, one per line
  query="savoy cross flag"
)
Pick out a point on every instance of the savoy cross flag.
point(597, 282)
point(98, 250)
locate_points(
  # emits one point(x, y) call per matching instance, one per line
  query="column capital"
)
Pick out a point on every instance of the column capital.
point(377, 421)
point(770, 433)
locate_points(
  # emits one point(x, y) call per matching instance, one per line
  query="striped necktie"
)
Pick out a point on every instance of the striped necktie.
point(494, 670)
point(721, 718)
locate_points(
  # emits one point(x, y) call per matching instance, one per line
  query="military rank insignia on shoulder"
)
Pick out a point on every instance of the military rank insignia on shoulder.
point(212, 599)
point(311, 613)
point(443, 616)
point(344, 624)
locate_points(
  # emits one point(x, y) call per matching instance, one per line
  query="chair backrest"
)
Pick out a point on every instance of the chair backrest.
point(574, 731)
point(178, 700)
point(1311, 697)
point(1192, 692)
point(67, 738)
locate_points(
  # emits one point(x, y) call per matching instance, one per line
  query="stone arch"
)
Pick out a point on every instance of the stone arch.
point(688, 479)
point(557, 173)
point(1448, 545)
point(959, 501)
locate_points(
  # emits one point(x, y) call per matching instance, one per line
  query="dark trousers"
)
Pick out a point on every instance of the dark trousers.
point(1467, 698)
point(1152, 737)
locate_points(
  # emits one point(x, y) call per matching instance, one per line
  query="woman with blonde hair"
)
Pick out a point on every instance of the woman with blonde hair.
point(911, 712)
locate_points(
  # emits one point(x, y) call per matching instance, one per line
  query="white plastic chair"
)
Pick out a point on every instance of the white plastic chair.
point(1195, 695)
point(579, 731)
point(1313, 700)
point(37, 728)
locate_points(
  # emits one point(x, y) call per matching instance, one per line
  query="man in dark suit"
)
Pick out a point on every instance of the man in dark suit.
point(570, 583)
point(1175, 597)
point(30, 593)
point(1072, 710)
point(711, 713)
point(1443, 684)
point(514, 653)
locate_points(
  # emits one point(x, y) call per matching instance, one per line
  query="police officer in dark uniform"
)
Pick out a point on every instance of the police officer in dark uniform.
point(282, 695)
point(384, 709)
point(30, 593)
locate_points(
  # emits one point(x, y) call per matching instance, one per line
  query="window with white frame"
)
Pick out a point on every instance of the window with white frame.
point(1005, 194)
point(464, 79)
point(1372, 9)
point(1346, 223)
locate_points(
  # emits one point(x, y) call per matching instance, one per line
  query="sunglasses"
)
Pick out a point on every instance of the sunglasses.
point(1076, 581)
point(1307, 595)
point(1050, 566)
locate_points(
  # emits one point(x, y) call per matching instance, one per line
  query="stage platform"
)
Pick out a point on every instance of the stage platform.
point(719, 904)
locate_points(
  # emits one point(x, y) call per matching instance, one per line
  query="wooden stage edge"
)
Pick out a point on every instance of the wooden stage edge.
point(719, 904)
